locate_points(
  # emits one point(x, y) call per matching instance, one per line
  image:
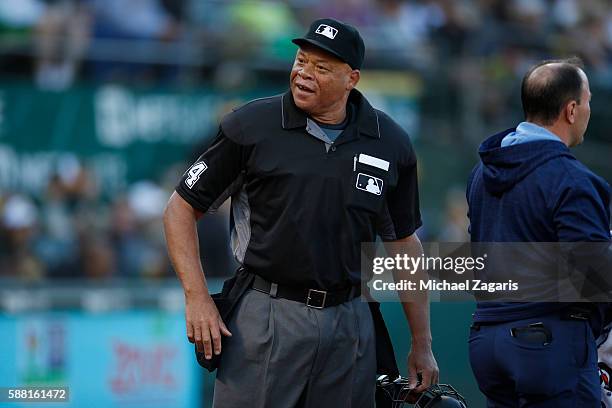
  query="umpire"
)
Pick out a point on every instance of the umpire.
point(528, 187)
point(312, 173)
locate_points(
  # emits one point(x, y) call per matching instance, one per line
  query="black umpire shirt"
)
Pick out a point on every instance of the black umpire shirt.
point(302, 204)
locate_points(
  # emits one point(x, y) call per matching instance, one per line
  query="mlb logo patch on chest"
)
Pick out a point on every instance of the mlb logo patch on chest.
point(369, 183)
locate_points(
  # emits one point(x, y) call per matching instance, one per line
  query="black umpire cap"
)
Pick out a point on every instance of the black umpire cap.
point(337, 38)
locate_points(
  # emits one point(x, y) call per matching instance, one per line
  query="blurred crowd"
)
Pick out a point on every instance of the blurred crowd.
point(59, 41)
point(73, 231)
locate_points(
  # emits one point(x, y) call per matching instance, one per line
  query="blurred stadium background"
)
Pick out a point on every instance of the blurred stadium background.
point(104, 103)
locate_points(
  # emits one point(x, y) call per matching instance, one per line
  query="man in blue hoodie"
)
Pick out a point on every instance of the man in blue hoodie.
point(528, 187)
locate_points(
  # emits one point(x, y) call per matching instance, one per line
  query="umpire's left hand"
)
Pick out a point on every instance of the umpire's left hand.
point(421, 363)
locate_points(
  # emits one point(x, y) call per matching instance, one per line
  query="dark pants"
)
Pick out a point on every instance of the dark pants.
point(528, 370)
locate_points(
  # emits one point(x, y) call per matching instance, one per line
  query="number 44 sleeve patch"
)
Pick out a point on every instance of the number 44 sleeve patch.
point(194, 173)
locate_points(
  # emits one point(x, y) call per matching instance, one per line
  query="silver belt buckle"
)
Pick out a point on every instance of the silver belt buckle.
point(319, 293)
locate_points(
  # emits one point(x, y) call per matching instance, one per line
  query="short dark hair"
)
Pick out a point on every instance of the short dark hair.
point(544, 97)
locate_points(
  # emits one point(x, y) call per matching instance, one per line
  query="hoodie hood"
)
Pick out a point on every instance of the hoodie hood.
point(504, 167)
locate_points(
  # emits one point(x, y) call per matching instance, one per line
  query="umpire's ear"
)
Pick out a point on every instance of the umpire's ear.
point(354, 77)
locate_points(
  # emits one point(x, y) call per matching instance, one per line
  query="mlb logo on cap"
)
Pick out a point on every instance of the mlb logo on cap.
point(337, 38)
point(328, 31)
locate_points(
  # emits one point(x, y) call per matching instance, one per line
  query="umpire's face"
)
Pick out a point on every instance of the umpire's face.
point(320, 82)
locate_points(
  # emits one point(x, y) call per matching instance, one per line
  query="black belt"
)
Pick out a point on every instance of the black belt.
point(315, 298)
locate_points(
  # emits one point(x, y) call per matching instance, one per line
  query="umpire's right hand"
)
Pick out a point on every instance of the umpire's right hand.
point(204, 324)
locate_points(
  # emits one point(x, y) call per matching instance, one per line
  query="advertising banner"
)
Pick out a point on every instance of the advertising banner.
point(135, 359)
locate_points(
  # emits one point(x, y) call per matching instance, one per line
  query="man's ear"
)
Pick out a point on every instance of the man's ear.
point(570, 112)
point(353, 79)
